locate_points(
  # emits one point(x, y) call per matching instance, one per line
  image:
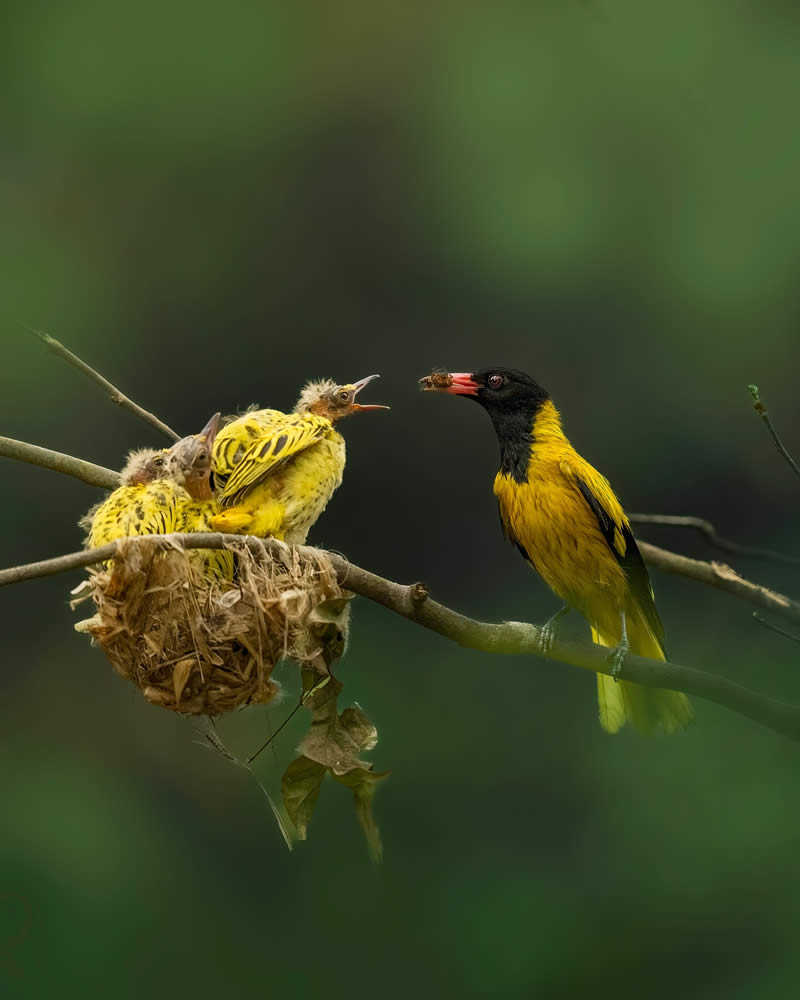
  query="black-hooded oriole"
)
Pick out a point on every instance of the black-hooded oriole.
point(567, 522)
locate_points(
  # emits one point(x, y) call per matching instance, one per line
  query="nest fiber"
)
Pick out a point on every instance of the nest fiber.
point(200, 646)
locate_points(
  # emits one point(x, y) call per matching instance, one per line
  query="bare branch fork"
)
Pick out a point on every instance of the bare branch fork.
point(516, 638)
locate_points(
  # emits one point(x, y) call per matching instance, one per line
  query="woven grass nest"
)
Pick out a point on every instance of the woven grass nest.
point(200, 646)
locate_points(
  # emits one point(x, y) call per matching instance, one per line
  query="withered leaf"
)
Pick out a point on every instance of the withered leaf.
point(364, 784)
point(300, 787)
point(336, 740)
point(180, 675)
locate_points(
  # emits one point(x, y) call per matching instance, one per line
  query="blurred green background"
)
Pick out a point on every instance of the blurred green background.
point(212, 203)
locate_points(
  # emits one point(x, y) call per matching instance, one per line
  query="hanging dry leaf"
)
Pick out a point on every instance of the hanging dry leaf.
point(300, 787)
point(364, 784)
point(334, 740)
point(332, 745)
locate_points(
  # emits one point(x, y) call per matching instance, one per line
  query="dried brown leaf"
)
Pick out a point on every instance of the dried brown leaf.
point(334, 740)
point(180, 675)
point(300, 787)
point(363, 785)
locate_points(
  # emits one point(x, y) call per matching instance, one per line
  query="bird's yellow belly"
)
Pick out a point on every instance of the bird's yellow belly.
point(288, 502)
point(561, 537)
point(309, 482)
point(135, 510)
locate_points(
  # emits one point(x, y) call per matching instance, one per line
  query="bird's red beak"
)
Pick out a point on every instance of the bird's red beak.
point(462, 384)
point(456, 383)
point(357, 387)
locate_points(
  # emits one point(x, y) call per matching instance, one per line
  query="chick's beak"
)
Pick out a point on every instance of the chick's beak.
point(357, 387)
point(209, 432)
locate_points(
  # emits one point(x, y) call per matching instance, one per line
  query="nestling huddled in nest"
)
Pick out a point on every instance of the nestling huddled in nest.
point(156, 485)
point(275, 472)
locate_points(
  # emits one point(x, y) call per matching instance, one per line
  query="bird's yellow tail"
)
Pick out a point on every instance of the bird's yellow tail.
point(649, 709)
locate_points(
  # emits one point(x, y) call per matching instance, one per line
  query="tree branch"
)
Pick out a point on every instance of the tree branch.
point(87, 472)
point(713, 574)
point(111, 390)
point(707, 528)
point(761, 409)
point(412, 602)
point(722, 577)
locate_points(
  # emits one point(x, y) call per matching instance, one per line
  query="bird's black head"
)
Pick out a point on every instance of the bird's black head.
point(510, 397)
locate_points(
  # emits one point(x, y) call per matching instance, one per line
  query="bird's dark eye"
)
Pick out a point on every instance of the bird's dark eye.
point(202, 456)
point(495, 381)
point(158, 461)
point(343, 395)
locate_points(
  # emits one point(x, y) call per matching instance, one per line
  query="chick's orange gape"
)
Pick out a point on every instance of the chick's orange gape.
point(566, 521)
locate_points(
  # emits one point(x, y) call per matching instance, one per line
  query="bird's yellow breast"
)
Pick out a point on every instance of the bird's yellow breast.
point(136, 510)
point(550, 519)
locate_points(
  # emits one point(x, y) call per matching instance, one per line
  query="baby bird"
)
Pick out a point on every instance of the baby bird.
point(197, 511)
point(155, 484)
point(275, 472)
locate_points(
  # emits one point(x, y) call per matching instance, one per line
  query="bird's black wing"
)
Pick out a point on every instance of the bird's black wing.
point(620, 540)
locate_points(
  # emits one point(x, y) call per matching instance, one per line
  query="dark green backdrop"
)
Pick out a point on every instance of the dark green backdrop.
point(213, 203)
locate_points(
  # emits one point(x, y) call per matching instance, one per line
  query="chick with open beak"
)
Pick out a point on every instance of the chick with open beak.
point(277, 471)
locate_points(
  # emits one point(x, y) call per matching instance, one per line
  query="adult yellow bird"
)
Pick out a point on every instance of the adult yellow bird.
point(155, 485)
point(566, 521)
point(275, 472)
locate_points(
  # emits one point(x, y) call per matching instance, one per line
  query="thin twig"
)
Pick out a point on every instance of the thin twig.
point(112, 391)
point(775, 628)
point(507, 637)
point(87, 472)
point(721, 576)
point(707, 528)
point(761, 409)
point(214, 741)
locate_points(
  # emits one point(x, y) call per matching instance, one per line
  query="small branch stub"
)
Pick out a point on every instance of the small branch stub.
point(417, 596)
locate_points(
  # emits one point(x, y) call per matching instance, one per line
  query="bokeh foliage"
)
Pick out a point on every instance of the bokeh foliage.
point(214, 203)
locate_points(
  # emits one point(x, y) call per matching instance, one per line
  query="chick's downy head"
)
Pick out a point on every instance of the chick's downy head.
point(144, 465)
point(325, 398)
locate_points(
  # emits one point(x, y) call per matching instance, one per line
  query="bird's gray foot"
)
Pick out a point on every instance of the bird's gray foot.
point(549, 631)
point(617, 656)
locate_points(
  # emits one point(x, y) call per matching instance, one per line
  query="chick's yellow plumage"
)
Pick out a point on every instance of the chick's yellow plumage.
point(162, 492)
point(565, 519)
point(275, 472)
point(145, 504)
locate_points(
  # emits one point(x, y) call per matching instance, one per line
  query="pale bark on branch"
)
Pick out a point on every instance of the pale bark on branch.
point(412, 602)
point(56, 461)
point(722, 577)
